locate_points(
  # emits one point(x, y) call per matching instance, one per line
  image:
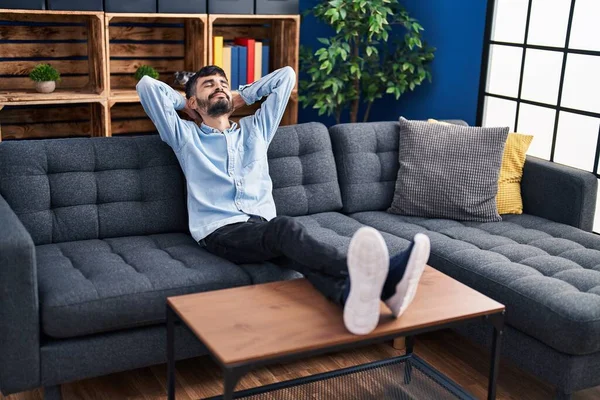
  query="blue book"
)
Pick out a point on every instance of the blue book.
point(235, 65)
point(243, 65)
point(265, 59)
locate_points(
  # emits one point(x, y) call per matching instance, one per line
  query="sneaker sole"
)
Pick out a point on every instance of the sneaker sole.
point(406, 289)
point(368, 264)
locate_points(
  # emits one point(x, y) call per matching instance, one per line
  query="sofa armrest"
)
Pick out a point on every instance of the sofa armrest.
point(19, 306)
point(559, 193)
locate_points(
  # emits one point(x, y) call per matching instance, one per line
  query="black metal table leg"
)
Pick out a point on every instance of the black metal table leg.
point(170, 353)
point(409, 341)
point(497, 322)
point(230, 378)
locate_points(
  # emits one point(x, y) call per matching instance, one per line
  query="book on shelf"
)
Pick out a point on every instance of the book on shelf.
point(227, 61)
point(258, 60)
point(235, 66)
point(243, 65)
point(265, 59)
point(218, 51)
point(250, 54)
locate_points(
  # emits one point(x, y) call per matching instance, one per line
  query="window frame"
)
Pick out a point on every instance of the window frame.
point(565, 50)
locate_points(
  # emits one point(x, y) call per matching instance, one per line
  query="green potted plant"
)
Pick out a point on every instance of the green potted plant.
point(366, 59)
point(45, 77)
point(145, 70)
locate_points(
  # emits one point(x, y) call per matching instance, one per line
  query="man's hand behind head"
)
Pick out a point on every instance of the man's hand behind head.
point(190, 112)
point(238, 101)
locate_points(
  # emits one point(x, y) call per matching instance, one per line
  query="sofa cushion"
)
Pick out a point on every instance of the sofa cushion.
point(509, 199)
point(547, 274)
point(303, 172)
point(448, 171)
point(92, 286)
point(93, 188)
point(366, 155)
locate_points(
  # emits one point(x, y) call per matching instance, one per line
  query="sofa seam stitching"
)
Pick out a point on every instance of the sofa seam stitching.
point(78, 270)
point(127, 263)
point(117, 201)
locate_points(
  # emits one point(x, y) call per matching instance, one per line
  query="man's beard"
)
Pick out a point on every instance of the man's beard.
point(222, 106)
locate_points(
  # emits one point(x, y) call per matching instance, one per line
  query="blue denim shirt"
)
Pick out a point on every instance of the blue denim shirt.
point(227, 172)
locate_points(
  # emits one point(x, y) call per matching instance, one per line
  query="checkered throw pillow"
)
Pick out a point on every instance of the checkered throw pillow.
point(448, 171)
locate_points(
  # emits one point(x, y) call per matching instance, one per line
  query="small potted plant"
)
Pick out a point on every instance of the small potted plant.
point(145, 70)
point(45, 77)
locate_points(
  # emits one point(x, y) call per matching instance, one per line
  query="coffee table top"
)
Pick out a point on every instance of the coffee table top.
point(271, 320)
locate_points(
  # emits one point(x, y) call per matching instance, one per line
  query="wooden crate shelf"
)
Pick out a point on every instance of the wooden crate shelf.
point(167, 42)
point(71, 41)
point(98, 53)
point(281, 32)
point(128, 96)
point(20, 121)
point(60, 96)
point(129, 118)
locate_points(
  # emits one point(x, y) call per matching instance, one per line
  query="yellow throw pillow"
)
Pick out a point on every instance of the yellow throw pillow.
point(509, 200)
point(435, 121)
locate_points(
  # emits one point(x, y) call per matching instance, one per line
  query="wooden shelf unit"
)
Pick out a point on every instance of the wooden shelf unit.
point(167, 42)
point(59, 96)
point(103, 51)
point(282, 32)
point(71, 41)
point(26, 121)
point(129, 96)
point(129, 118)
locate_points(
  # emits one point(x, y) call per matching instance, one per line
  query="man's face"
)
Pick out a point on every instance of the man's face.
point(214, 96)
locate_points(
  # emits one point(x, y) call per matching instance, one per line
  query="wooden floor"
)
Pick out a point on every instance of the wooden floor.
point(198, 378)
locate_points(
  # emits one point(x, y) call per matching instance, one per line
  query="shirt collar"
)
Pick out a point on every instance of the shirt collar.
point(207, 129)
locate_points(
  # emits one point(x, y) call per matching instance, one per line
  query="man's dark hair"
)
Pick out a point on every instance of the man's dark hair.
point(190, 86)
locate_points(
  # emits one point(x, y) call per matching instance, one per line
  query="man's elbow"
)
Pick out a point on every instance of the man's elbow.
point(290, 73)
point(288, 77)
point(143, 84)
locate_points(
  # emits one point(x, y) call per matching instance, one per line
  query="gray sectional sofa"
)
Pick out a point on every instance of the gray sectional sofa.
point(93, 238)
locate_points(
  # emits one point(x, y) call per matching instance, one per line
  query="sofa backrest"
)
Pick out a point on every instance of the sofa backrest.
point(302, 168)
point(88, 188)
point(366, 155)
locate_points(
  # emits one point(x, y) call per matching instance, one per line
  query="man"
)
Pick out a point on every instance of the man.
point(230, 204)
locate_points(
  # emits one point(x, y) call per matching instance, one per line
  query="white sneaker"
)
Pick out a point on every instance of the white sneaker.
point(407, 287)
point(368, 263)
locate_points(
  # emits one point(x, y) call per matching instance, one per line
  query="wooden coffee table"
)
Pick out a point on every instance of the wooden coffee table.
point(252, 326)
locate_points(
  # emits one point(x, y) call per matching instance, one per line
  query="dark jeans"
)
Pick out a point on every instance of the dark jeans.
point(284, 242)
